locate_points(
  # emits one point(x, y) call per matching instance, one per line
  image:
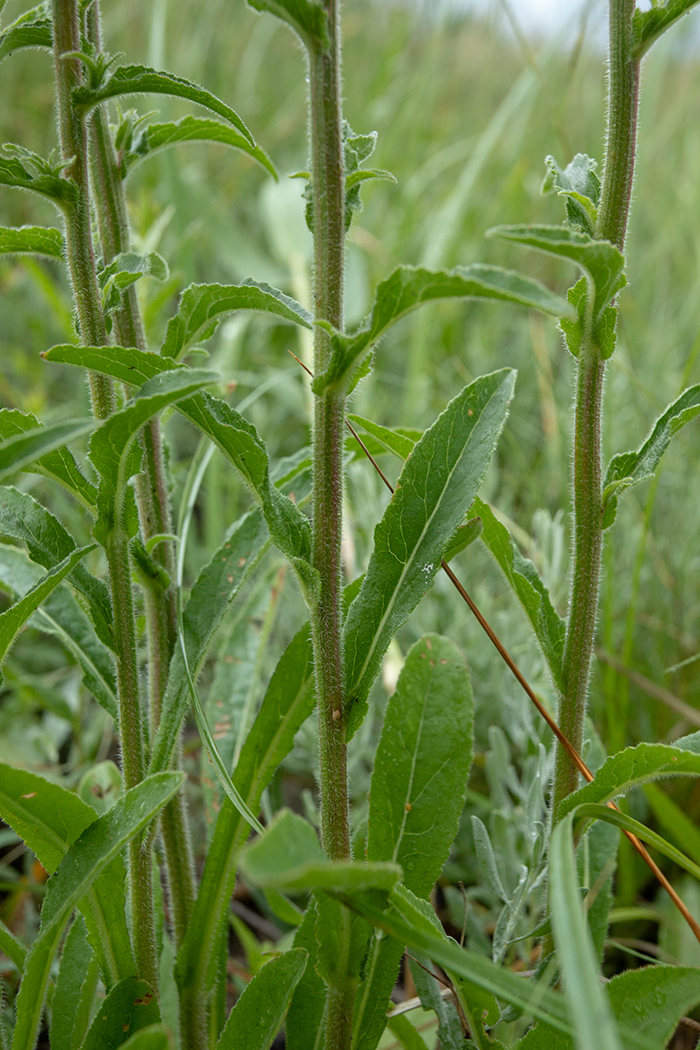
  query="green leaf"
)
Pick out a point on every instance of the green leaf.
point(422, 764)
point(131, 1005)
point(14, 618)
point(100, 843)
point(22, 448)
point(34, 240)
point(31, 29)
point(124, 270)
point(590, 1010)
point(59, 190)
point(548, 625)
point(202, 306)
point(649, 25)
point(629, 768)
point(155, 1037)
point(674, 820)
point(409, 287)
point(652, 1000)
point(111, 445)
point(306, 17)
point(75, 961)
point(602, 261)
point(436, 486)
point(143, 80)
point(12, 947)
point(125, 363)
point(288, 702)
point(24, 520)
point(289, 856)
point(408, 1036)
point(579, 184)
point(59, 464)
point(258, 1015)
point(190, 129)
point(629, 468)
point(374, 994)
point(395, 441)
point(305, 1014)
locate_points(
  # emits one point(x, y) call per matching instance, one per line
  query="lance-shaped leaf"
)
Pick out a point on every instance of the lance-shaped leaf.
point(649, 25)
point(190, 129)
point(629, 468)
point(399, 441)
point(202, 306)
point(436, 486)
point(409, 287)
point(14, 618)
point(59, 464)
point(21, 448)
point(100, 843)
point(288, 702)
point(143, 80)
point(31, 29)
point(289, 856)
point(110, 447)
point(130, 1006)
point(258, 1014)
point(602, 261)
point(59, 190)
point(631, 767)
point(306, 17)
point(75, 962)
point(24, 520)
point(32, 240)
point(548, 625)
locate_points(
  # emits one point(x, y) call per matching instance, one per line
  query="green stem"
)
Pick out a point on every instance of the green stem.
point(618, 174)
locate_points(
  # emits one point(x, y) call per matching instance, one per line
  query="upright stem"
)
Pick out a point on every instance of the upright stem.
point(93, 332)
point(616, 191)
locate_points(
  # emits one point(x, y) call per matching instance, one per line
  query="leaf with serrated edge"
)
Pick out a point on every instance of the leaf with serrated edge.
point(33, 240)
point(20, 450)
point(99, 844)
point(259, 1012)
point(629, 468)
point(435, 488)
point(60, 191)
point(192, 129)
point(548, 625)
point(59, 464)
point(143, 80)
point(29, 30)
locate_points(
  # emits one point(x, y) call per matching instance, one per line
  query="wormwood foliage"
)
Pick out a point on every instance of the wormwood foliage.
point(131, 945)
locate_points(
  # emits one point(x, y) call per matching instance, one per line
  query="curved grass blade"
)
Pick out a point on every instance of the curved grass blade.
point(45, 241)
point(191, 129)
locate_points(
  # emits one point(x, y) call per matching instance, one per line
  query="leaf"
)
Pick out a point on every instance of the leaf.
point(487, 860)
point(190, 129)
point(155, 1037)
point(409, 287)
point(110, 447)
point(394, 441)
point(59, 190)
point(75, 960)
point(24, 520)
point(674, 820)
point(34, 240)
point(14, 618)
point(31, 29)
point(289, 856)
point(305, 1014)
point(407, 1035)
point(579, 184)
point(12, 947)
point(306, 17)
point(422, 764)
point(629, 468)
point(652, 999)
point(202, 306)
point(288, 702)
point(21, 449)
point(437, 484)
point(59, 464)
point(590, 1009)
point(100, 843)
point(602, 261)
point(548, 625)
point(629, 768)
point(143, 80)
point(258, 1014)
point(131, 1005)
point(374, 994)
point(124, 270)
point(649, 25)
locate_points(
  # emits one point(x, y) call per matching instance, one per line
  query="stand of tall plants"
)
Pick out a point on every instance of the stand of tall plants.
point(132, 945)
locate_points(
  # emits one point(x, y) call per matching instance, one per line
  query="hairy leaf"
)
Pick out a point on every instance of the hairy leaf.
point(306, 17)
point(75, 961)
point(259, 1012)
point(31, 29)
point(130, 1006)
point(59, 464)
point(651, 1000)
point(649, 25)
point(124, 270)
point(59, 190)
point(579, 184)
point(396, 441)
point(33, 240)
point(437, 485)
point(21, 448)
point(190, 129)
point(629, 468)
point(305, 1014)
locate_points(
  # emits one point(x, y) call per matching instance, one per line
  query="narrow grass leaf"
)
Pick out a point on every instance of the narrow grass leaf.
point(629, 468)
point(45, 241)
point(20, 450)
point(131, 1005)
point(548, 625)
point(31, 29)
point(437, 485)
point(75, 960)
point(259, 1012)
point(60, 465)
point(191, 129)
point(143, 80)
point(203, 306)
point(649, 25)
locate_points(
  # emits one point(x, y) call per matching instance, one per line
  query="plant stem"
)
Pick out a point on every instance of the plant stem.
point(93, 332)
point(328, 187)
point(618, 173)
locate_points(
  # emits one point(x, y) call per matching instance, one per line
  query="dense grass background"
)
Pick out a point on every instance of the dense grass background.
point(465, 117)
